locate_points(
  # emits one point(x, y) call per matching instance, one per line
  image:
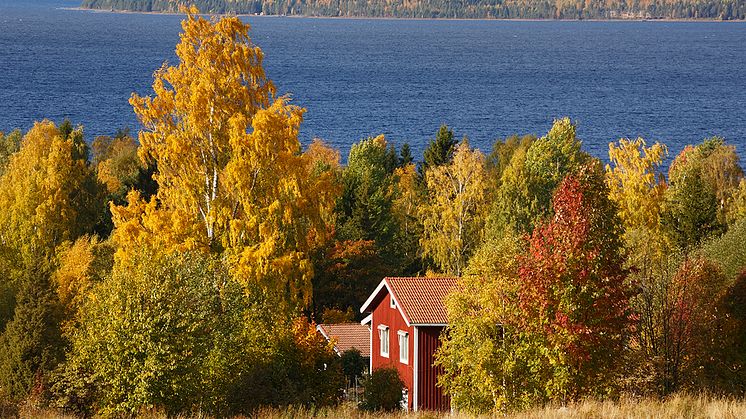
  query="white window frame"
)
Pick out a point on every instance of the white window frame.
point(392, 302)
point(403, 348)
point(384, 341)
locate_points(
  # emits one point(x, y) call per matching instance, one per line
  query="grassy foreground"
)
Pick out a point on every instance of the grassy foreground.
point(679, 406)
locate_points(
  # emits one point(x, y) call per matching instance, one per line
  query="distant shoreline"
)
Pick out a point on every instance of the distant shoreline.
point(135, 12)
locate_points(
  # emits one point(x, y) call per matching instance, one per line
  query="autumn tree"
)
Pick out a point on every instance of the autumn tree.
point(81, 265)
point(231, 175)
point(119, 170)
point(502, 154)
point(573, 296)
point(453, 215)
point(717, 164)
point(638, 189)
point(408, 197)
point(635, 184)
point(484, 354)
point(48, 194)
point(527, 183)
point(215, 90)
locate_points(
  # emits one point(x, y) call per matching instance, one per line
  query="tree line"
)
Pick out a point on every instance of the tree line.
point(506, 9)
point(183, 271)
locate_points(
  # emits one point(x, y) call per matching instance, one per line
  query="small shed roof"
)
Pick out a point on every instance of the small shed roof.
point(347, 336)
point(421, 300)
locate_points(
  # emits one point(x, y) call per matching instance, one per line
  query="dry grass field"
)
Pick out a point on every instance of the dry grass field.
point(676, 407)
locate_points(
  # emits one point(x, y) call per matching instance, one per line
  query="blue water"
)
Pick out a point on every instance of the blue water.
point(665, 81)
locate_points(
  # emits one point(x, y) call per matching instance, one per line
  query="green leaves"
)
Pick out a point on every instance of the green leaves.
point(528, 181)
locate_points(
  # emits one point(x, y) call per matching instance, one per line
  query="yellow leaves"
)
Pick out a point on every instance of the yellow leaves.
point(321, 157)
point(142, 224)
point(454, 214)
point(199, 105)
point(635, 183)
point(231, 174)
point(408, 197)
point(42, 192)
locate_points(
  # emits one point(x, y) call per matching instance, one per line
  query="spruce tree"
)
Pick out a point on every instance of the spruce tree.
point(405, 155)
point(31, 345)
point(440, 150)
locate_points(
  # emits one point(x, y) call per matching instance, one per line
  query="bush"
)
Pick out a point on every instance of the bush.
point(146, 335)
point(383, 390)
point(353, 364)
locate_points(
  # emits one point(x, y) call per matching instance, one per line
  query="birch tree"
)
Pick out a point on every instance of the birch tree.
point(232, 178)
point(198, 105)
point(454, 214)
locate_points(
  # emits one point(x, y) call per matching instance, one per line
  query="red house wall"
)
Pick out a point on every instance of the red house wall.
point(430, 396)
point(383, 314)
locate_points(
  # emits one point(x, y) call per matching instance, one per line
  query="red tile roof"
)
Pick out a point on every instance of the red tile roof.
point(348, 336)
point(422, 299)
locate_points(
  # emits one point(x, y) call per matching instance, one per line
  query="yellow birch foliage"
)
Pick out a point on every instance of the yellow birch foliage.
point(82, 264)
point(634, 182)
point(214, 91)
point(232, 178)
point(280, 209)
point(454, 214)
point(322, 157)
point(638, 189)
point(45, 194)
point(407, 199)
point(323, 166)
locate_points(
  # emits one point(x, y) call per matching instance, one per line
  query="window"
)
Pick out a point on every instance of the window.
point(403, 347)
point(392, 302)
point(383, 334)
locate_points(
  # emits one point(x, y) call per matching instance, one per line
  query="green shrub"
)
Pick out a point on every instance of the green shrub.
point(353, 364)
point(729, 250)
point(383, 390)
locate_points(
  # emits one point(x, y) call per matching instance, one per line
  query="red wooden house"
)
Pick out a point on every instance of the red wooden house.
point(407, 316)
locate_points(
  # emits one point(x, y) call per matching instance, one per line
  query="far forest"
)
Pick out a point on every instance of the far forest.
point(479, 9)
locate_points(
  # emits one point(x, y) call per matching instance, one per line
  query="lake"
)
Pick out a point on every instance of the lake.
point(674, 82)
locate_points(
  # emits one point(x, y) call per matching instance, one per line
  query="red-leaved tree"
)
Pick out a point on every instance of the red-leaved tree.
point(574, 295)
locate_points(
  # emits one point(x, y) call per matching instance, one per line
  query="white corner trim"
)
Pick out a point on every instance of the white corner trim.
point(415, 366)
point(373, 295)
point(368, 319)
